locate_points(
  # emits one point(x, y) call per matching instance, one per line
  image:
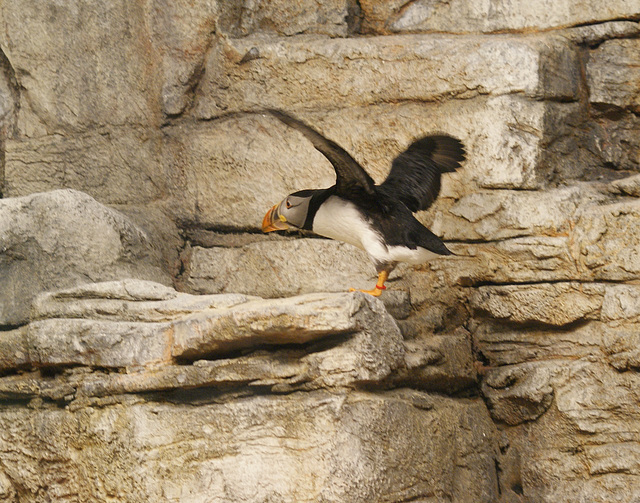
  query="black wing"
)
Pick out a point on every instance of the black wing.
point(350, 176)
point(414, 178)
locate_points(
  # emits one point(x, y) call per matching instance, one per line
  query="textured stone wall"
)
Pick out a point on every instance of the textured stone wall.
point(155, 346)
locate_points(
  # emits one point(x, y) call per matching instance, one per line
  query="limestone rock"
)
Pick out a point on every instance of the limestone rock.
point(281, 321)
point(629, 186)
point(508, 346)
point(607, 240)
point(153, 451)
point(460, 16)
point(121, 166)
point(494, 215)
point(565, 234)
point(592, 416)
point(240, 19)
point(551, 303)
point(181, 33)
point(595, 34)
point(362, 71)
point(105, 74)
point(519, 394)
point(613, 74)
point(63, 238)
point(134, 323)
point(279, 268)
point(439, 363)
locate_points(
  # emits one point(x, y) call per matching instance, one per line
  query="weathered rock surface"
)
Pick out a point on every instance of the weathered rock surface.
point(127, 390)
point(229, 452)
point(131, 323)
point(63, 238)
point(381, 69)
point(460, 16)
point(103, 75)
point(279, 268)
point(240, 19)
point(103, 164)
point(613, 74)
point(171, 345)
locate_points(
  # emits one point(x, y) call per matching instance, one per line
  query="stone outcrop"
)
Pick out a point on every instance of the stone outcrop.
point(183, 346)
point(62, 238)
point(155, 346)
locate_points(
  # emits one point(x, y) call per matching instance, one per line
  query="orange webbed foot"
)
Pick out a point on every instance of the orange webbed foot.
point(377, 290)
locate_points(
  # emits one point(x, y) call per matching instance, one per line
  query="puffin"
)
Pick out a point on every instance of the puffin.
point(379, 219)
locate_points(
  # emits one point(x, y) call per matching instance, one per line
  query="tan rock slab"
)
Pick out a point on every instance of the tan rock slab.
point(548, 303)
point(460, 16)
point(279, 268)
point(613, 74)
point(325, 447)
point(312, 72)
point(133, 324)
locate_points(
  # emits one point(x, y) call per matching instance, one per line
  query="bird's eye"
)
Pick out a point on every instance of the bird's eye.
point(288, 204)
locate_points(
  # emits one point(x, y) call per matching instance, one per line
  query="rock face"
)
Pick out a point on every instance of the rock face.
point(155, 346)
point(62, 238)
point(266, 435)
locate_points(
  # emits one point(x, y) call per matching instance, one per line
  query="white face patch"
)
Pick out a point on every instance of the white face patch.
point(294, 209)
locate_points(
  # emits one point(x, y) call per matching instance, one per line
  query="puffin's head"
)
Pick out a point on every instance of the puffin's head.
point(291, 212)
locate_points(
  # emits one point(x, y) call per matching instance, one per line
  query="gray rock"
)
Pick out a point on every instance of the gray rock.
point(607, 240)
point(461, 16)
point(153, 451)
point(181, 33)
point(549, 303)
point(294, 320)
point(494, 215)
point(508, 346)
point(240, 19)
point(63, 238)
point(613, 74)
point(279, 268)
point(119, 166)
point(140, 324)
point(519, 394)
point(439, 363)
point(105, 74)
point(364, 71)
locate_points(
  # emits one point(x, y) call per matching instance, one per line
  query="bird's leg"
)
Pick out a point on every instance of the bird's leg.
point(382, 277)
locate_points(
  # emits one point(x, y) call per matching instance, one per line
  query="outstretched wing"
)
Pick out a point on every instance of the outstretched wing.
point(414, 178)
point(350, 176)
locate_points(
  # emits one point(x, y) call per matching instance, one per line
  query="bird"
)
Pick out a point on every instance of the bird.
point(376, 218)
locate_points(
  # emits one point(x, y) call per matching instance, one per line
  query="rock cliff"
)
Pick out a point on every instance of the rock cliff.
point(155, 346)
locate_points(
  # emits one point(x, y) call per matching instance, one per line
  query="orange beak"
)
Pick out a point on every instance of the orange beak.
point(274, 222)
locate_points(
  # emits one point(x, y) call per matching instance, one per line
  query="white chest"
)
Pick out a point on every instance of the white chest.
point(339, 219)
